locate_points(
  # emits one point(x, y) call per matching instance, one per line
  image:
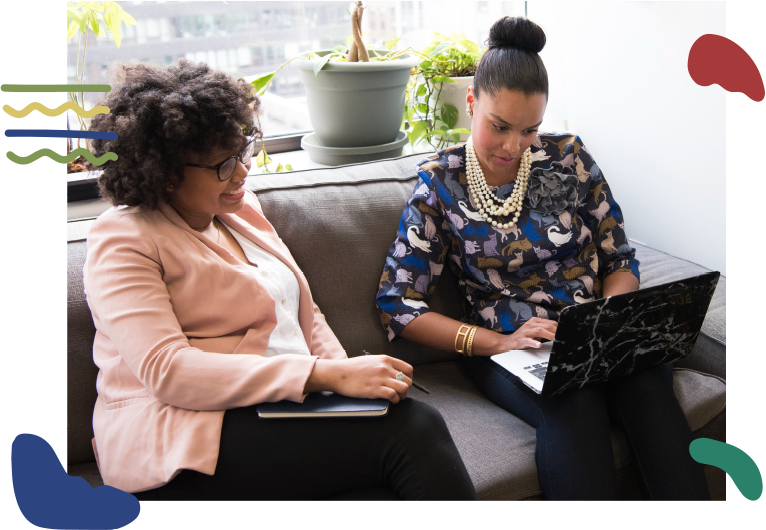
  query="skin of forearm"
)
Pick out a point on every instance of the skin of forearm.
point(438, 332)
point(321, 378)
point(619, 283)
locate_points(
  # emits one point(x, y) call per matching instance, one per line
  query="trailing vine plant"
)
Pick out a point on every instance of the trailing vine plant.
point(426, 119)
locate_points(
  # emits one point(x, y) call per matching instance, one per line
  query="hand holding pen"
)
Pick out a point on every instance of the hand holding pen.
point(416, 385)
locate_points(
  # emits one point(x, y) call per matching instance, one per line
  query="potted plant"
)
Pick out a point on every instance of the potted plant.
point(355, 93)
point(437, 92)
point(82, 17)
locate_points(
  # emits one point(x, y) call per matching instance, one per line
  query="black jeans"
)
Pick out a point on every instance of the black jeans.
point(574, 448)
point(409, 451)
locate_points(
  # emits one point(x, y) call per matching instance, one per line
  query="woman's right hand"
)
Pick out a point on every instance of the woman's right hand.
point(526, 336)
point(369, 376)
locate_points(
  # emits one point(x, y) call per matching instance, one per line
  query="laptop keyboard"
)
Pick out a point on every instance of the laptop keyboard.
point(538, 370)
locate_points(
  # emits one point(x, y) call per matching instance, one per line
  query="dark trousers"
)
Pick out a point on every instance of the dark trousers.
point(409, 451)
point(574, 448)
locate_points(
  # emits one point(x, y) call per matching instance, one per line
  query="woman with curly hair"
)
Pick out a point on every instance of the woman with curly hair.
point(529, 225)
point(202, 313)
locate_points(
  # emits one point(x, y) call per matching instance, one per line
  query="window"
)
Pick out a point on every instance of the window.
point(249, 39)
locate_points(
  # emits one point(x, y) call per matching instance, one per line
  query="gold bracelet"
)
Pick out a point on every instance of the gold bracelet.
point(468, 352)
point(464, 334)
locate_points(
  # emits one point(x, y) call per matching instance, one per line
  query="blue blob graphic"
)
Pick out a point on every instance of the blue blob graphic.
point(49, 498)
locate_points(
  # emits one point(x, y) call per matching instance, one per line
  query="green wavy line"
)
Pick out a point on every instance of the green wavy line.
point(61, 159)
point(69, 105)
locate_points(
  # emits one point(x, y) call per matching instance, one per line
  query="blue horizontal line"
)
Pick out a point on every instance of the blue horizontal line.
point(50, 133)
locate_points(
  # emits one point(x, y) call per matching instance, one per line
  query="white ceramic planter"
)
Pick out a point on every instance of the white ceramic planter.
point(454, 94)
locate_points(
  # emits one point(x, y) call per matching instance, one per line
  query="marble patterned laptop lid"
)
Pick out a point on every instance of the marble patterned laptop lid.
point(616, 336)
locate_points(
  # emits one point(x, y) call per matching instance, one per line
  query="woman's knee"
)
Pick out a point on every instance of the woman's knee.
point(420, 420)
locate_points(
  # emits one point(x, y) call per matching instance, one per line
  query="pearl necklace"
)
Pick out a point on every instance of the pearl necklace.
point(484, 197)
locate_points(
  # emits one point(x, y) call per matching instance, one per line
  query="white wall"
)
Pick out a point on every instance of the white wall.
point(618, 75)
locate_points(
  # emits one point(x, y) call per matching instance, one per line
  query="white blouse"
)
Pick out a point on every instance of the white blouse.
point(280, 282)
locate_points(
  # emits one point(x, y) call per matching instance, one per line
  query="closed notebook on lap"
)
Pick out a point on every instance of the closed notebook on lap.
point(616, 336)
point(324, 405)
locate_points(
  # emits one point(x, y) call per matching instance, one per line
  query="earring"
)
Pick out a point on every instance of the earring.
point(469, 112)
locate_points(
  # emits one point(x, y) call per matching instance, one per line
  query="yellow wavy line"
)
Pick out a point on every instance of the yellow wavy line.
point(62, 159)
point(69, 105)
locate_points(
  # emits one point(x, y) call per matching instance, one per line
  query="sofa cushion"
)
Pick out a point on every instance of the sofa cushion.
point(498, 448)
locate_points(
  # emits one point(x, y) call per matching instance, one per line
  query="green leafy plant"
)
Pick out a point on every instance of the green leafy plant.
point(426, 119)
point(99, 17)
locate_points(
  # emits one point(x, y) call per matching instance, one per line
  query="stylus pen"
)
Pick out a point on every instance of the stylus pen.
point(419, 387)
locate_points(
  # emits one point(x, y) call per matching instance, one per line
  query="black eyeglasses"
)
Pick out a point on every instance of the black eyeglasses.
point(226, 168)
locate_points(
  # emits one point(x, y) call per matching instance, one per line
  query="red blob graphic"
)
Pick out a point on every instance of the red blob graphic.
point(716, 59)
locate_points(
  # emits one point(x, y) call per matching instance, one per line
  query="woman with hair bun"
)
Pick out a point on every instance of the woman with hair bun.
point(529, 225)
point(201, 313)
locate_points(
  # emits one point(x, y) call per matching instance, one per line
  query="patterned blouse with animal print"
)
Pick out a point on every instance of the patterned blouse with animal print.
point(538, 267)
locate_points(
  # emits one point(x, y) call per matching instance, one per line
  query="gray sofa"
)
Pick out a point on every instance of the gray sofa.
point(339, 223)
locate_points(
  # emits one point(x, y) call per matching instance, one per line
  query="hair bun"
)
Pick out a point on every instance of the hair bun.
point(516, 32)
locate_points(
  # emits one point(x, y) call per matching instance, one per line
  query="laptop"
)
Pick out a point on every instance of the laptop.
point(616, 336)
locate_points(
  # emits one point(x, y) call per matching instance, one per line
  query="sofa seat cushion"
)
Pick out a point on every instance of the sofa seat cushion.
point(498, 448)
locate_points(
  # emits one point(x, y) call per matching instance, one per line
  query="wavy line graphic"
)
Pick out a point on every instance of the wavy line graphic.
point(69, 105)
point(61, 159)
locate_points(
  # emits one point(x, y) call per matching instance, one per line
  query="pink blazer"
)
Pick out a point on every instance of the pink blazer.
point(181, 329)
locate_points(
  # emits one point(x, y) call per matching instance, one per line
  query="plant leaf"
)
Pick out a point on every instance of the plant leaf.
point(425, 65)
point(72, 31)
point(470, 45)
point(410, 112)
point(123, 15)
point(94, 23)
point(421, 90)
point(288, 167)
point(322, 61)
point(262, 159)
point(449, 115)
point(443, 79)
point(113, 25)
point(422, 107)
point(279, 168)
point(459, 130)
point(439, 48)
point(262, 82)
point(389, 44)
point(419, 129)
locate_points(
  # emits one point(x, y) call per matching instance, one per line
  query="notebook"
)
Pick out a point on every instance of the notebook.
point(324, 405)
point(616, 336)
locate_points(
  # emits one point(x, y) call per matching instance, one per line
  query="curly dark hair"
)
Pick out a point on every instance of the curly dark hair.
point(162, 114)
